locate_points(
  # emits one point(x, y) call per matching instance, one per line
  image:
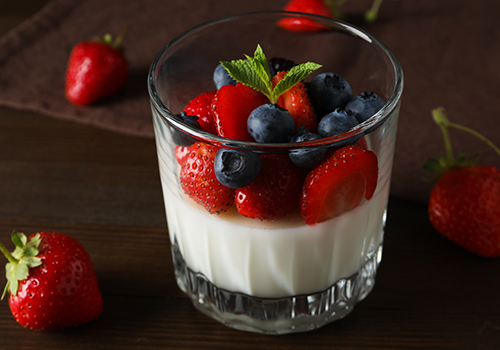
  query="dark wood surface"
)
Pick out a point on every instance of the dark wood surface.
point(103, 188)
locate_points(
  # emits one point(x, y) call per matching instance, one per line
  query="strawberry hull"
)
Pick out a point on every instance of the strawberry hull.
point(258, 262)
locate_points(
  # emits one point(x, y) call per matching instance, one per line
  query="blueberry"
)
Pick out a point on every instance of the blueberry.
point(221, 77)
point(338, 122)
point(307, 157)
point(270, 123)
point(235, 168)
point(179, 137)
point(364, 105)
point(279, 64)
point(329, 91)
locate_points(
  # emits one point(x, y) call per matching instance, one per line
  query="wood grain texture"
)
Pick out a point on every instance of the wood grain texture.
point(103, 188)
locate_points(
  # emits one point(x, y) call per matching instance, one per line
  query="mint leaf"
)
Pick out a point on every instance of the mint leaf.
point(254, 72)
point(293, 76)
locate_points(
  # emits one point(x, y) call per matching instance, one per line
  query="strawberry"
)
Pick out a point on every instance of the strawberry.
point(181, 153)
point(339, 184)
point(464, 205)
point(96, 69)
point(200, 107)
point(297, 102)
point(276, 191)
point(298, 24)
point(51, 281)
point(198, 180)
point(231, 106)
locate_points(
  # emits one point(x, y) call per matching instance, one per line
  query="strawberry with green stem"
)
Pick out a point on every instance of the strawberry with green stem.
point(464, 205)
point(51, 281)
point(96, 69)
point(326, 8)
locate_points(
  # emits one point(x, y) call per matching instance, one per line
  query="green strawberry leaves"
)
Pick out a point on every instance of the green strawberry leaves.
point(20, 260)
point(254, 72)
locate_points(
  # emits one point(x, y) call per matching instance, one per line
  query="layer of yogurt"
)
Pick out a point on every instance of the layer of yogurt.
point(273, 259)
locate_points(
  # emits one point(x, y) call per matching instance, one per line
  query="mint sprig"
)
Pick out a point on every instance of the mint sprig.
point(254, 72)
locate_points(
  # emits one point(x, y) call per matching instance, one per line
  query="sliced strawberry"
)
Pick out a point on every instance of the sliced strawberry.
point(200, 107)
point(276, 191)
point(197, 178)
point(231, 106)
point(339, 184)
point(298, 24)
point(297, 102)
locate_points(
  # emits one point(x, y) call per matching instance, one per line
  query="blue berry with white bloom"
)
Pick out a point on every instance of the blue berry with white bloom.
point(364, 105)
point(336, 122)
point(235, 168)
point(269, 123)
point(311, 156)
point(221, 77)
point(329, 91)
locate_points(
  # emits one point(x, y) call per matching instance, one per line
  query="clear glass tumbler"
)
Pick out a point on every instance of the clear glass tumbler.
point(274, 276)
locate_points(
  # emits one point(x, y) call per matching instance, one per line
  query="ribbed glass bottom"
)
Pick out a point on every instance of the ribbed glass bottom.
point(299, 313)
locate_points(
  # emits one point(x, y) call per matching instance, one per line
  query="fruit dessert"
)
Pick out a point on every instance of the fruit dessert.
point(283, 223)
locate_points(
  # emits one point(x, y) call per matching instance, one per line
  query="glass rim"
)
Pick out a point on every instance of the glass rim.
point(374, 121)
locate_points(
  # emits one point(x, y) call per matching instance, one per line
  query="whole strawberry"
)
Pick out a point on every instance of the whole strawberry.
point(51, 281)
point(200, 107)
point(297, 102)
point(316, 7)
point(96, 69)
point(198, 179)
point(276, 191)
point(464, 205)
point(325, 8)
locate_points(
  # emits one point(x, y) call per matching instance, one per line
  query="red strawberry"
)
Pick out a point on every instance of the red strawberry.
point(181, 152)
point(339, 184)
point(52, 282)
point(276, 191)
point(231, 107)
point(96, 69)
point(200, 107)
point(297, 102)
point(198, 180)
point(464, 205)
point(298, 24)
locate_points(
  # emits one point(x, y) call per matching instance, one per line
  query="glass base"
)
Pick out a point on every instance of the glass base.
point(294, 314)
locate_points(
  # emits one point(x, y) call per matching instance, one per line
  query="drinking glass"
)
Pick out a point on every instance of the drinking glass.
point(278, 276)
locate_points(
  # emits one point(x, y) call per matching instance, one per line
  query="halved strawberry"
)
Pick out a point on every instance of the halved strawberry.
point(197, 178)
point(200, 107)
point(339, 184)
point(231, 106)
point(297, 102)
point(276, 191)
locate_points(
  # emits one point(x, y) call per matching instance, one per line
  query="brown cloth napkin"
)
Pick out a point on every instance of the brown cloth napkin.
point(449, 51)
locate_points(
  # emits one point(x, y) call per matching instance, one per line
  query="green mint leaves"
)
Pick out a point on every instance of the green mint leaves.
point(254, 72)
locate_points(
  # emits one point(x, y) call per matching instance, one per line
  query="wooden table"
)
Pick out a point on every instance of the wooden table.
point(103, 188)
